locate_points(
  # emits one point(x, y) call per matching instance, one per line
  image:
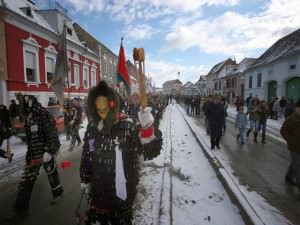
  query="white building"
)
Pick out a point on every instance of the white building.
point(276, 72)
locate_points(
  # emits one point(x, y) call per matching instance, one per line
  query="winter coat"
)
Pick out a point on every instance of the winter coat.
point(241, 120)
point(98, 162)
point(41, 133)
point(290, 131)
point(276, 107)
point(215, 115)
point(254, 112)
point(4, 117)
point(13, 110)
point(263, 114)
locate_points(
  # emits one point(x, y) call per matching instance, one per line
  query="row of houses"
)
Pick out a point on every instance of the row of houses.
point(275, 73)
point(29, 45)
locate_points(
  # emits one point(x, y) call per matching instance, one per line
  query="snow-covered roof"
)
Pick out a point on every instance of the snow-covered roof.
point(187, 84)
point(28, 10)
point(284, 47)
point(216, 68)
point(245, 64)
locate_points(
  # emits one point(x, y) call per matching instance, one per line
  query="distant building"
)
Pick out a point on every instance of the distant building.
point(234, 81)
point(172, 87)
point(215, 79)
point(200, 86)
point(276, 72)
point(187, 89)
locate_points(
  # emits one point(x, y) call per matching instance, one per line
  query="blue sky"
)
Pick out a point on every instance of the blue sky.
point(186, 36)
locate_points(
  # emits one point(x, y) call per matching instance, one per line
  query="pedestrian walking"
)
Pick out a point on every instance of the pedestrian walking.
point(13, 112)
point(42, 147)
point(206, 103)
point(290, 131)
point(290, 108)
point(241, 124)
point(276, 109)
point(75, 123)
point(5, 151)
point(112, 147)
point(282, 105)
point(263, 117)
point(254, 118)
point(68, 114)
point(215, 116)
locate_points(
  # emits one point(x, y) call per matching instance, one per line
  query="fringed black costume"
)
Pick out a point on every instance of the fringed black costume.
point(98, 163)
point(41, 137)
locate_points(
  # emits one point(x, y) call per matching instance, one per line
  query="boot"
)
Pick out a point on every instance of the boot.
point(212, 142)
point(248, 132)
point(255, 137)
point(263, 138)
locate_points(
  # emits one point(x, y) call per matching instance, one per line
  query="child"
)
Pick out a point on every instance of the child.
point(241, 123)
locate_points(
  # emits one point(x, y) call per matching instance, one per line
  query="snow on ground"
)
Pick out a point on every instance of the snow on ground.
point(180, 184)
point(191, 192)
point(258, 208)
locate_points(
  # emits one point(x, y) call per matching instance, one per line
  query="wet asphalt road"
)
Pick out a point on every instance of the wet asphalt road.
point(41, 211)
point(262, 168)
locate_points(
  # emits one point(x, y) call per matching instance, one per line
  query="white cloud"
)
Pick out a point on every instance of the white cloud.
point(234, 33)
point(142, 31)
point(162, 71)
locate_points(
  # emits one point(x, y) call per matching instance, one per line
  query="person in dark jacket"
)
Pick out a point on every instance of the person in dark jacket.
point(290, 131)
point(215, 115)
point(5, 151)
point(290, 108)
point(75, 123)
point(263, 117)
point(113, 144)
point(42, 147)
point(13, 112)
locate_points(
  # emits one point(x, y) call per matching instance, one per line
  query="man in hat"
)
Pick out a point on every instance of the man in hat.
point(290, 131)
point(112, 147)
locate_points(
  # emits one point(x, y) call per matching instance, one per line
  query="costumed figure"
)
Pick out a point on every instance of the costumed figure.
point(67, 120)
point(112, 148)
point(75, 123)
point(42, 147)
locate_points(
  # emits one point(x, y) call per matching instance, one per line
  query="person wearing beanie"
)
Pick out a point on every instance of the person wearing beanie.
point(290, 131)
point(113, 144)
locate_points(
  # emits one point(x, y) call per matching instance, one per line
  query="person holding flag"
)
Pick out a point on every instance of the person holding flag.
point(113, 144)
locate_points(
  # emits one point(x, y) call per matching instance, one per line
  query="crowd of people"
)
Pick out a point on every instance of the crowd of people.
point(251, 117)
point(119, 133)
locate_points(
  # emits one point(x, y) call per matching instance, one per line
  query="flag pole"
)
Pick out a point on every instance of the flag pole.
point(116, 75)
point(66, 59)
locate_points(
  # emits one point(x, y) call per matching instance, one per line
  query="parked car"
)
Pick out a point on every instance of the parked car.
point(57, 113)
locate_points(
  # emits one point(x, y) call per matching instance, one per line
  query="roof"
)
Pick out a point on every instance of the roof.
point(187, 84)
point(287, 46)
point(216, 68)
point(172, 81)
point(25, 8)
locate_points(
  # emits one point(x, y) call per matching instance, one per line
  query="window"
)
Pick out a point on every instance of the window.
point(216, 86)
point(250, 81)
point(292, 64)
point(31, 66)
point(94, 78)
point(85, 77)
point(110, 66)
point(75, 81)
point(220, 85)
point(31, 61)
point(49, 69)
point(259, 80)
point(104, 64)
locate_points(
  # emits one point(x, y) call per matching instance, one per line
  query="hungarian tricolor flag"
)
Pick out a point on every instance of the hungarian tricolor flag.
point(122, 73)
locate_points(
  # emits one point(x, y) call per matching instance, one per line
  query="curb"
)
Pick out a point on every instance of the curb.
point(248, 212)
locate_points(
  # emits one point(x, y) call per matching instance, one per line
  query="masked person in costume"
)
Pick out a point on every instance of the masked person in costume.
point(112, 148)
point(42, 146)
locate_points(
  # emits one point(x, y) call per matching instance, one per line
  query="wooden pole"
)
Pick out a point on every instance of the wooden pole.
point(139, 59)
